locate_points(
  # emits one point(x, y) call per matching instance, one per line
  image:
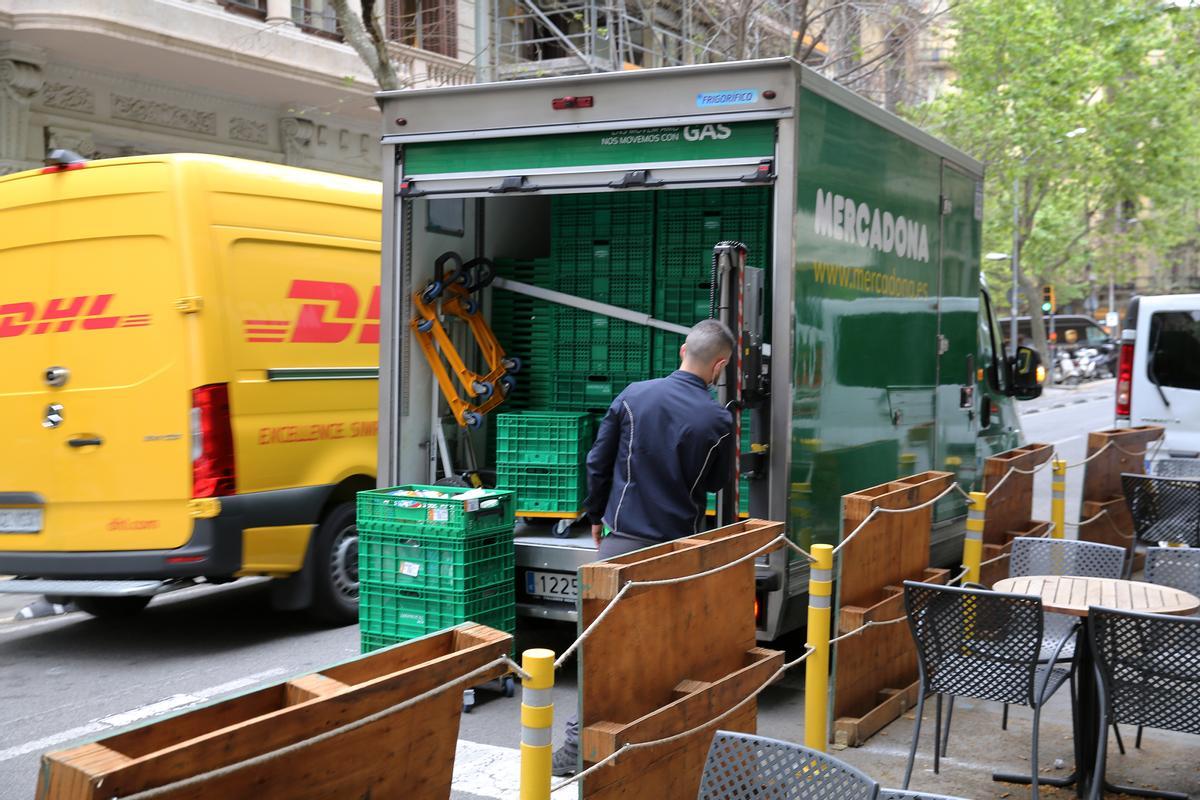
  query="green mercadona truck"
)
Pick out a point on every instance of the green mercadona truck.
point(603, 215)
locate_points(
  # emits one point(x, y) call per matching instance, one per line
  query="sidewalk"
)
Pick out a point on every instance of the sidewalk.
point(977, 747)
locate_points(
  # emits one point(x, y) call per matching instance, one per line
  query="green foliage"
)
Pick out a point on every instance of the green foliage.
point(1030, 71)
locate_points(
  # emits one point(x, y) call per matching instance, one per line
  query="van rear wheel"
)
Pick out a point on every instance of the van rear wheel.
point(335, 593)
point(112, 607)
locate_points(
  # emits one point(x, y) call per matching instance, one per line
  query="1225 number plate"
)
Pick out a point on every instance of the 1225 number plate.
point(552, 585)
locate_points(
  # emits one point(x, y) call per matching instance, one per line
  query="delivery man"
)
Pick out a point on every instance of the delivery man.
point(662, 447)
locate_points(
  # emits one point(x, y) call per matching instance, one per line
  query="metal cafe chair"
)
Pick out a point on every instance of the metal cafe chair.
point(984, 645)
point(741, 766)
point(1038, 556)
point(900, 794)
point(1176, 467)
point(1148, 666)
point(1177, 567)
point(1163, 509)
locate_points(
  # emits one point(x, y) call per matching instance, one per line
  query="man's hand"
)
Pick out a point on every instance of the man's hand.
point(597, 532)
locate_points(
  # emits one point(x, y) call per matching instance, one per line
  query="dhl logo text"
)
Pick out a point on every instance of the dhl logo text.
point(63, 314)
point(332, 313)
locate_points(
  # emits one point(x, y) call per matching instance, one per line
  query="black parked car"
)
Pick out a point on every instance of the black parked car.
point(1072, 331)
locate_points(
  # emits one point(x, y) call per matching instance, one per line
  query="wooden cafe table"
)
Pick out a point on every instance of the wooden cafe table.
point(1074, 595)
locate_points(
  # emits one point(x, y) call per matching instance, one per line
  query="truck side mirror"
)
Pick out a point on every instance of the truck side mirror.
point(1027, 374)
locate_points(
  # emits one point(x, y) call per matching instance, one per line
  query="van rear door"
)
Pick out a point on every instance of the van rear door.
point(95, 405)
point(1167, 375)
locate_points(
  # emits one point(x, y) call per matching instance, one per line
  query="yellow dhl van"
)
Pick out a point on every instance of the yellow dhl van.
point(190, 351)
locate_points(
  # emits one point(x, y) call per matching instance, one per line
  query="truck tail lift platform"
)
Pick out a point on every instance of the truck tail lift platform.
point(856, 300)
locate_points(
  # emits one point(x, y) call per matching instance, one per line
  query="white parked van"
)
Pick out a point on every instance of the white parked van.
point(1158, 376)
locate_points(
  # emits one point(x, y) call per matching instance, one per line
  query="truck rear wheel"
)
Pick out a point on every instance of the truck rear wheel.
point(112, 607)
point(335, 593)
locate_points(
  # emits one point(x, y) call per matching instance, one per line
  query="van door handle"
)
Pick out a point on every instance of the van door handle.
point(85, 441)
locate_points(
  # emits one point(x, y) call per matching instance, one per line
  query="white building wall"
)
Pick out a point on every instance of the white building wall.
point(124, 77)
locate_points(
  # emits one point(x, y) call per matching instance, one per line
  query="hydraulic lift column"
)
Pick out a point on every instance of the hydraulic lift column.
point(737, 299)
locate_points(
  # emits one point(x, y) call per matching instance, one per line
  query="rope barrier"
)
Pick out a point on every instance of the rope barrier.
point(799, 549)
point(631, 746)
point(874, 623)
point(1102, 513)
point(958, 577)
point(1094, 455)
point(771, 545)
point(264, 758)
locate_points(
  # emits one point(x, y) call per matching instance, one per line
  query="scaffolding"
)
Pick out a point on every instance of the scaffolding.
point(533, 38)
point(872, 46)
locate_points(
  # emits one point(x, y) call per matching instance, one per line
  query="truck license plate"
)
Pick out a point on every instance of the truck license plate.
point(561, 586)
point(20, 520)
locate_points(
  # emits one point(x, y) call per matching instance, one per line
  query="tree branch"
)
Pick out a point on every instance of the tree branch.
point(363, 34)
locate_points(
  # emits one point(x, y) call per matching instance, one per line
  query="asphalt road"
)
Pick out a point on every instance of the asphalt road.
point(72, 677)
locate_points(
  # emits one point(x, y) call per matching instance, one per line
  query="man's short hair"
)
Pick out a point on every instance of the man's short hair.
point(710, 340)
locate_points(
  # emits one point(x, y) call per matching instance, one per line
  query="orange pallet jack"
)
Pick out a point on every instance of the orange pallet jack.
point(455, 289)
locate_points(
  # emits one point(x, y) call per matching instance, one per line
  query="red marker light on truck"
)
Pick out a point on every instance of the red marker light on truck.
point(213, 472)
point(62, 167)
point(1125, 380)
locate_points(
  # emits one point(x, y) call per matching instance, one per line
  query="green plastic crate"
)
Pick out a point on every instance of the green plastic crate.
point(424, 562)
point(576, 325)
point(545, 490)
point(407, 613)
point(381, 510)
point(545, 438)
point(370, 642)
point(593, 216)
point(602, 357)
point(744, 197)
point(605, 269)
point(689, 223)
point(684, 301)
point(592, 393)
point(664, 358)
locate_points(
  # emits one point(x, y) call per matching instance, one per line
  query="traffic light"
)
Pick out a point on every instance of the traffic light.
point(1047, 299)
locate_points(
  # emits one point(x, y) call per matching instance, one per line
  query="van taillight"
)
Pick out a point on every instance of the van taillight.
point(1125, 380)
point(213, 472)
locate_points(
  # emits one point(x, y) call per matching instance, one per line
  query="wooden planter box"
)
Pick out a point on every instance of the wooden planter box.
point(408, 754)
point(875, 670)
point(670, 658)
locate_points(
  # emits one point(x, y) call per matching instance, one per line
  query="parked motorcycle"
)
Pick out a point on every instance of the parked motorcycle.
point(1088, 362)
point(1065, 369)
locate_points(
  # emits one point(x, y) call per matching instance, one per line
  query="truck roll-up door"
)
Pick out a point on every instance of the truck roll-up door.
point(711, 154)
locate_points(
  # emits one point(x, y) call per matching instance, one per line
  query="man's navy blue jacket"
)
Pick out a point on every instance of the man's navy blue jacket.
point(662, 446)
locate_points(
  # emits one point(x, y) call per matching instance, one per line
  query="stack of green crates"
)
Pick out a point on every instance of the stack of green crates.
point(602, 246)
point(687, 225)
point(540, 457)
point(429, 563)
point(645, 251)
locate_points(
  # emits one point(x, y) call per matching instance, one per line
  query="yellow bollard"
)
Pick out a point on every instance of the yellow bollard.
point(1058, 499)
point(537, 723)
point(973, 543)
point(816, 675)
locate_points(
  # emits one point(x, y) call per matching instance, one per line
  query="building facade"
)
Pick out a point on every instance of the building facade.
point(263, 79)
